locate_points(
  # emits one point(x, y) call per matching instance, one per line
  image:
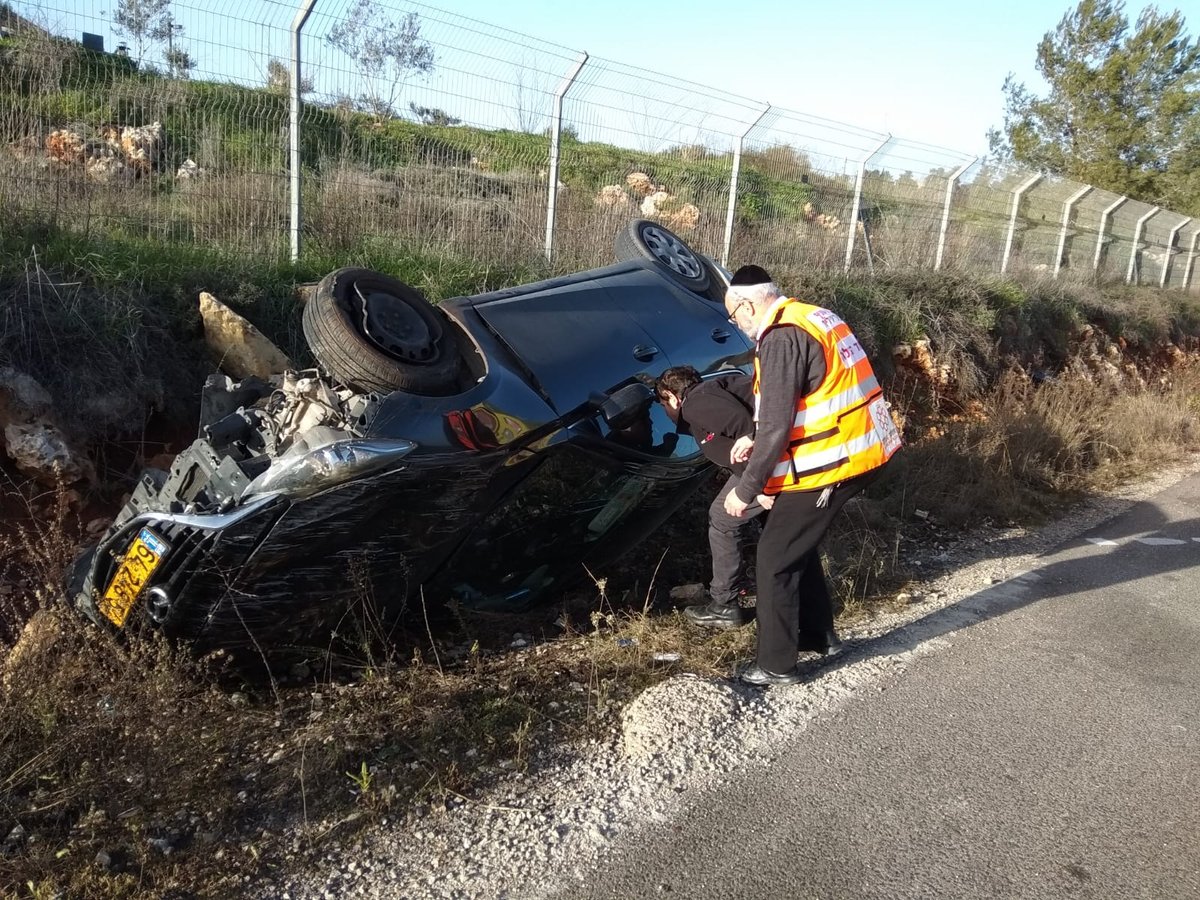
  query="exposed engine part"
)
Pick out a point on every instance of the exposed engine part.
point(245, 425)
point(259, 417)
point(304, 400)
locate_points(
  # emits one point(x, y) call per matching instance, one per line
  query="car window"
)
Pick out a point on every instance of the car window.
point(551, 519)
point(654, 434)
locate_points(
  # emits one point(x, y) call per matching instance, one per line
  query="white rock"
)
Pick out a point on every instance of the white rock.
point(612, 196)
point(189, 169)
point(653, 203)
point(40, 452)
point(687, 592)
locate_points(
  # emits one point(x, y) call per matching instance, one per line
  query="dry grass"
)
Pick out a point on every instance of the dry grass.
point(1028, 447)
point(131, 364)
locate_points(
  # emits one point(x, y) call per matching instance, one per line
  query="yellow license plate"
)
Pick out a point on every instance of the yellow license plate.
point(140, 561)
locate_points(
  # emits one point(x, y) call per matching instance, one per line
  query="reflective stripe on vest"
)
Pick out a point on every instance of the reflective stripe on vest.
point(843, 428)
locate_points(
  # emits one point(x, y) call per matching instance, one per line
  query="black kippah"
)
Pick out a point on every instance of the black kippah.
point(747, 275)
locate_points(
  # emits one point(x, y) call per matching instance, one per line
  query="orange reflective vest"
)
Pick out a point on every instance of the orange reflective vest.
point(843, 428)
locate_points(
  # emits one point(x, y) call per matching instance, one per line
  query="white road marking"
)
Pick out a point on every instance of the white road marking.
point(1149, 541)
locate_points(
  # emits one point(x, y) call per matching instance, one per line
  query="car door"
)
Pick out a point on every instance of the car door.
point(686, 328)
point(577, 339)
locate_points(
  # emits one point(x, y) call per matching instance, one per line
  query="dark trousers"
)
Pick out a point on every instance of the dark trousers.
point(794, 608)
point(726, 536)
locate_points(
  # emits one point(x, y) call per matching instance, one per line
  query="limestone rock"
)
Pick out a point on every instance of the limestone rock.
point(142, 146)
point(118, 152)
point(34, 646)
point(22, 399)
point(239, 348)
point(655, 202)
point(685, 218)
point(41, 452)
point(693, 591)
point(107, 169)
point(612, 196)
point(35, 444)
point(189, 169)
point(640, 183)
point(66, 147)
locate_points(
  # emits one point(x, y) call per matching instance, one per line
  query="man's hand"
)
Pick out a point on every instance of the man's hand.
point(740, 452)
point(735, 506)
point(766, 501)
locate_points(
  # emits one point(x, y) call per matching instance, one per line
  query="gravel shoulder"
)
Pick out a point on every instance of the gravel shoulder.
point(538, 833)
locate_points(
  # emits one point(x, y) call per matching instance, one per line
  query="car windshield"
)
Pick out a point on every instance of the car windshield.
point(568, 504)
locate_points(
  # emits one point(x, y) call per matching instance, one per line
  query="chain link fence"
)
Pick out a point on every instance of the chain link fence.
point(318, 127)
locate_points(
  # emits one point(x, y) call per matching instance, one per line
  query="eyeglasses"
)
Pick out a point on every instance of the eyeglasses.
point(732, 317)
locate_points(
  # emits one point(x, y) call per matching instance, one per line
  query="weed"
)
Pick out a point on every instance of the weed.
point(361, 780)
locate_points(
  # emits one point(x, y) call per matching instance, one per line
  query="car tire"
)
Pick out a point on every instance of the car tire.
point(376, 333)
point(646, 239)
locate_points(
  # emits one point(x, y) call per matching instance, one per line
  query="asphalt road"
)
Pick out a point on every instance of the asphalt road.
point(1047, 747)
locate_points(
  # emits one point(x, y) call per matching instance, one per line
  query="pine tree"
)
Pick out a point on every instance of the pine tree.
point(1123, 107)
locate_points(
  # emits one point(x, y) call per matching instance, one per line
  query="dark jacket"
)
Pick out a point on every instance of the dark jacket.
point(716, 412)
point(791, 363)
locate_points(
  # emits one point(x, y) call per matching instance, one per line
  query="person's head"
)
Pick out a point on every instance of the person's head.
point(750, 292)
point(672, 385)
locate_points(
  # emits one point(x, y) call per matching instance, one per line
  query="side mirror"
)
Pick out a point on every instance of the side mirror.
point(622, 407)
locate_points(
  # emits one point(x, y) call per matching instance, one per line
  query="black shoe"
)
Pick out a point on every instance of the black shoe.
point(715, 615)
point(756, 675)
point(827, 644)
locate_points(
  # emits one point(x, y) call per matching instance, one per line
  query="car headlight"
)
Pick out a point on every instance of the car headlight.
point(322, 467)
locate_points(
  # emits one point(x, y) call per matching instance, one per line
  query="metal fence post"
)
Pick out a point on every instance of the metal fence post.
point(1066, 222)
point(302, 14)
point(733, 185)
point(954, 176)
point(1012, 219)
point(1187, 272)
point(858, 185)
point(555, 141)
point(1104, 216)
point(1137, 240)
point(1162, 279)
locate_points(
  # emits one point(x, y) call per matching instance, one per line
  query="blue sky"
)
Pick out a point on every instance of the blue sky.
point(926, 71)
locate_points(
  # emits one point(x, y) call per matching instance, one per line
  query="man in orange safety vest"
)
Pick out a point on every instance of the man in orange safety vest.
point(822, 432)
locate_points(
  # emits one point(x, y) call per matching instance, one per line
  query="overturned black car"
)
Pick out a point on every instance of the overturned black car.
point(486, 449)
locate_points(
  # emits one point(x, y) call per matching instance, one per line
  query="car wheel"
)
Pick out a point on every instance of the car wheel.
point(376, 333)
point(644, 239)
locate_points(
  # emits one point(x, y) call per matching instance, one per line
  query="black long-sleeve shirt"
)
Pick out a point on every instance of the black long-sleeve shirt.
point(791, 364)
point(717, 412)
